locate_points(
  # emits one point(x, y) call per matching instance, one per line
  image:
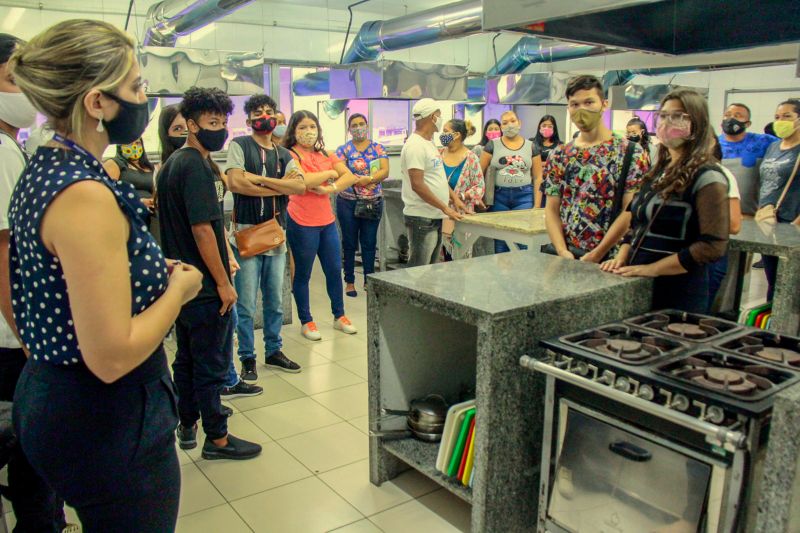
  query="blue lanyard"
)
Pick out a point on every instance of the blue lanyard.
point(57, 137)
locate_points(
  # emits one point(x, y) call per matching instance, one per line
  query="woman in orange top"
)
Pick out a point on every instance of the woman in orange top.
point(311, 226)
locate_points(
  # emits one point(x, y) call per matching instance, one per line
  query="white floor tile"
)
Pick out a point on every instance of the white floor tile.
point(361, 423)
point(357, 365)
point(321, 378)
point(352, 483)
point(303, 354)
point(347, 402)
point(328, 448)
point(197, 492)
point(342, 348)
point(290, 418)
point(222, 518)
point(415, 515)
point(307, 506)
point(362, 526)
point(276, 390)
point(237, 479)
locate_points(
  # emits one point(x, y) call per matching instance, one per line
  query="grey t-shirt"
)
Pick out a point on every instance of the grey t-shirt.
point(512, 167)
point(776, 168)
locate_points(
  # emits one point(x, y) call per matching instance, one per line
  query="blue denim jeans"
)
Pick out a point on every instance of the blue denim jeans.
point(308, 242)
point(511, 199)
point(357, 231)
point(265, 272)
point(424, 240)
point(233, 375)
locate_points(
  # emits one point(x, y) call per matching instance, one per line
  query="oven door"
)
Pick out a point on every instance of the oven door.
point(612, 477)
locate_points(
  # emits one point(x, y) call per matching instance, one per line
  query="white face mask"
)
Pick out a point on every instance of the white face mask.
point(438, 122)
point(16, 110)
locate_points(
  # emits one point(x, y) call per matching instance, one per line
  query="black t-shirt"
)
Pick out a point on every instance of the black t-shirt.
point(187, 195)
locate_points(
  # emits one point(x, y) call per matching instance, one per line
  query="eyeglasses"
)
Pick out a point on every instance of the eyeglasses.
point(676, 117)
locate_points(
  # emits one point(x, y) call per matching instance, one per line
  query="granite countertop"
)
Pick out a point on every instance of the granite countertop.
point(766, 238)
point(500, 284)
point(528, 221)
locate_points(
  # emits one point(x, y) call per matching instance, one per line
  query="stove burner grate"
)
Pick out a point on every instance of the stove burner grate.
point(727, 374)
point(624, 343)
point(767, 346)
point(687, 326)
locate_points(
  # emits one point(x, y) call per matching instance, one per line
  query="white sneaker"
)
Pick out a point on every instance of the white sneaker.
point(344, 325)
point(311, 332)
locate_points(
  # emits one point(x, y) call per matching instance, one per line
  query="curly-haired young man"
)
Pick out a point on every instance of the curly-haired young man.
point(193, 231)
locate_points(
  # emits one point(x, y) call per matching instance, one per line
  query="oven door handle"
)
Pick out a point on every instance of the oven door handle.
point(716, 434)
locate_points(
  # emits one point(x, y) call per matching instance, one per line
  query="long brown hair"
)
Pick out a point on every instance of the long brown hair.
point(696, 151)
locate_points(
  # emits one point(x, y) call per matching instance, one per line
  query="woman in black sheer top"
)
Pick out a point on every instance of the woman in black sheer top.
point(680, 218)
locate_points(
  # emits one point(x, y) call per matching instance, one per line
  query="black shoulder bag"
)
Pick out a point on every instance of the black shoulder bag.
point(616, 207)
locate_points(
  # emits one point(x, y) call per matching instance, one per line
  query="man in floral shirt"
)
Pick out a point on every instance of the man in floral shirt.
point(582, 177)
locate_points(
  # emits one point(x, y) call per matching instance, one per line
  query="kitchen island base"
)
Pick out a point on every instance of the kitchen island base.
point(458, 329)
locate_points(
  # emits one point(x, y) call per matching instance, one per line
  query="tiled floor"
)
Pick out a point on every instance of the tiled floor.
point(313, 474)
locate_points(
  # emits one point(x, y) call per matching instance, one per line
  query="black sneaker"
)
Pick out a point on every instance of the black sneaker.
point(240, 390)
point(187, 437)
point(236, 449)
point(279, 361)
point(249, 370)
point(227, 411)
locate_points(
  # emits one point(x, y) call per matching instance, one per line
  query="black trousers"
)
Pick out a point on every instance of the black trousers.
point(36, 507)
point(107, 449)
point(205, 345)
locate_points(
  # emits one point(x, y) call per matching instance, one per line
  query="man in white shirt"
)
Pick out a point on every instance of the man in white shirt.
point(426, 194)
point(36, 506)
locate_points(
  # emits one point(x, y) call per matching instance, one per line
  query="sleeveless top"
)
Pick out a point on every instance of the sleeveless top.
point(38, 287)
point(512, 167)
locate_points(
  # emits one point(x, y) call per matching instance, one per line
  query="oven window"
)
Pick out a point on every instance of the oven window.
point(609, 480)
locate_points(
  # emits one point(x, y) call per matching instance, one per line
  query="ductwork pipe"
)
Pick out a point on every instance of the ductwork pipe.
point(170, 19)
point(453, 20)
point(446, 22)
point(529, 50)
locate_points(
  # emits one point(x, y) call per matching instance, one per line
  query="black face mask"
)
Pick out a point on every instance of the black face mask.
point(177, 141)
point(212, 140)
point(731, 126)
point(634, 138)
point(130, 122)
point(264, 125)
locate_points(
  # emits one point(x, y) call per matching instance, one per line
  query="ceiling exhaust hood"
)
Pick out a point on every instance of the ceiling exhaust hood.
point(171, 71)
point(672, 27)
point(528, 89)
point(644, 97)
point(398, 80)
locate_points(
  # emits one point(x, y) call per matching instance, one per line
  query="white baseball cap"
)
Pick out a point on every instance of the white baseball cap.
point(424, 108)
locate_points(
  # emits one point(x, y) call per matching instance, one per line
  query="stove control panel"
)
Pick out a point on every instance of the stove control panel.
point(651, 392)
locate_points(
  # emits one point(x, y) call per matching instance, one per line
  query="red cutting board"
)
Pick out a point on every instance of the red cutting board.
point(466, 449)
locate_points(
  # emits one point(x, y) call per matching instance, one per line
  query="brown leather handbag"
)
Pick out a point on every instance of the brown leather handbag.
point(260, 238)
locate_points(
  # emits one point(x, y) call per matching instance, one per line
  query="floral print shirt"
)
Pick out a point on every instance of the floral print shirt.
point(470, 186)
point(359, 164)
point(585, 179)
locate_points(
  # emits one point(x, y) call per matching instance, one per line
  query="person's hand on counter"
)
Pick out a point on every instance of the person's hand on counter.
point(591, 257)
point(452, 214)
point(459, 205)
point(566, 254)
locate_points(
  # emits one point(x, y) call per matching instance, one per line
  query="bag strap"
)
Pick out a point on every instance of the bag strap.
point(788, 184)
point(616, 207)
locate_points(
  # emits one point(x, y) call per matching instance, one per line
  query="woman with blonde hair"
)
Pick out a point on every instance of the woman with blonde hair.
point(92, 294)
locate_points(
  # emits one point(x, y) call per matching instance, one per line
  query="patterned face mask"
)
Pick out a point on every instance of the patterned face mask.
point(132, 152)
point(359, 133)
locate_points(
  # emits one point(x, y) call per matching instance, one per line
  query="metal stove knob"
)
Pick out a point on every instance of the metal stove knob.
point(580, 368)
point(646, 392)
point(623, 384)
point(680, 402)
point(607, 378)
point(715, 415)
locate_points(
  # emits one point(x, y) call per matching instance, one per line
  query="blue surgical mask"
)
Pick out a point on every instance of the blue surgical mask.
point(279, 131)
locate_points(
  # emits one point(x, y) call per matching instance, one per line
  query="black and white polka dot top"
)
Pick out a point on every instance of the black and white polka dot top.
point(38, 288)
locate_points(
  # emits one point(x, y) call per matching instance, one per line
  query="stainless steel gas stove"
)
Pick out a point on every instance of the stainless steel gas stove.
point(658, 424)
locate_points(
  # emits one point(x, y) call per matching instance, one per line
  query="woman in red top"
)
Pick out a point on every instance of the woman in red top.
point(311, 226)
